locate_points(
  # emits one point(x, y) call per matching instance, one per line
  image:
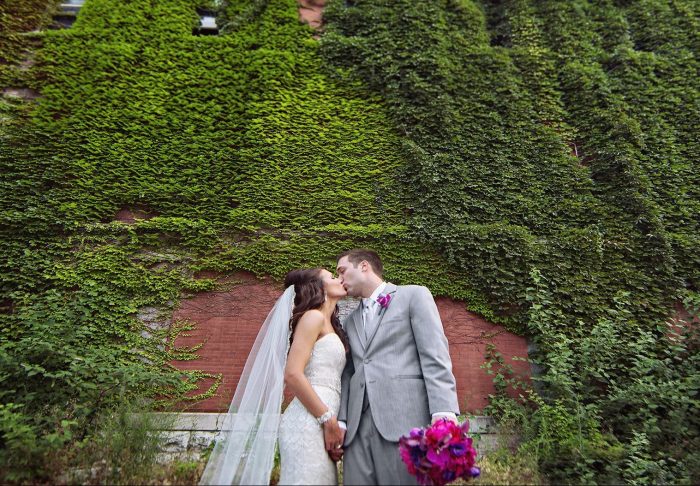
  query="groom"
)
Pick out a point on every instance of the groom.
point(399, 375)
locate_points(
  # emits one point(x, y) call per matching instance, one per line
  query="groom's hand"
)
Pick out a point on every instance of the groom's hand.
point(451, 416)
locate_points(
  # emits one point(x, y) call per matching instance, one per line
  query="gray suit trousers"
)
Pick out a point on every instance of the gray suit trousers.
point(371, 459)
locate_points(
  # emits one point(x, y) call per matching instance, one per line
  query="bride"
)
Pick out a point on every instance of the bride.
point(301, 344)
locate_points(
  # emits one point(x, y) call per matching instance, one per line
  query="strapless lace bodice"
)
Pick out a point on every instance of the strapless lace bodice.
point(326, 363)
point(303, 455)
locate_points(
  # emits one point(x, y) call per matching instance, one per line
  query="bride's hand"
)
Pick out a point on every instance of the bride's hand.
point(336, 454)
point(333, 435)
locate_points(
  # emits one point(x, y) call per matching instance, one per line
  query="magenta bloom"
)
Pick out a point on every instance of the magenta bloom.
point(383, 300)
point(439, 457)
point(439, 454)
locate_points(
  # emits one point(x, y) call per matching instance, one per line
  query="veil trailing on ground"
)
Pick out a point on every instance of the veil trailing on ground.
point(245, 446)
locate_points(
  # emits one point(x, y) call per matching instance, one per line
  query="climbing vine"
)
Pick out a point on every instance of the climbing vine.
point(509, 154)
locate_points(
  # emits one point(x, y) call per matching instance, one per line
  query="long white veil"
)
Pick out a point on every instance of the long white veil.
point(245, 446)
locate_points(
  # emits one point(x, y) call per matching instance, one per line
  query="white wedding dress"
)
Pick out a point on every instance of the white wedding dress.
point(303, 455)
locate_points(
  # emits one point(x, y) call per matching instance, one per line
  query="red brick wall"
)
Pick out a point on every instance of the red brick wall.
point(468, 334)
point(228, 322)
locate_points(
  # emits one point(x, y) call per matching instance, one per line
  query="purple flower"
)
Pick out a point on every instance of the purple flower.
point(383, 300)
point(458, 450)
point(448, 475)
point(474, 472)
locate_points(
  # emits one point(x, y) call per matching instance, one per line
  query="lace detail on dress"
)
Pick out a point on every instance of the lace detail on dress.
point(325, 366)
point(303, 455)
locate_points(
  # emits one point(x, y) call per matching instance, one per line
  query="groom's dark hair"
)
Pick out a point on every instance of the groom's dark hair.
point(360, 254)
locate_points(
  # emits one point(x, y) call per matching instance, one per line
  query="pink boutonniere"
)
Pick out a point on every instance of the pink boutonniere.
point(383, 300)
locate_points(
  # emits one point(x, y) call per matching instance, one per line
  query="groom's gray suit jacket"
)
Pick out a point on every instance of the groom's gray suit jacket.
point(404, 364)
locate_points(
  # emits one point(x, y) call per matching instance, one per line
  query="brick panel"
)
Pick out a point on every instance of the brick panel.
point(228, 322)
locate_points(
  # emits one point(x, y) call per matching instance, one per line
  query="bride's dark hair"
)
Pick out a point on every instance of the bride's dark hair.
point(310, 294)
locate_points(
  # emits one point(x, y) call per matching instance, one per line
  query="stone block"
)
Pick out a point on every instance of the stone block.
point(175, 441)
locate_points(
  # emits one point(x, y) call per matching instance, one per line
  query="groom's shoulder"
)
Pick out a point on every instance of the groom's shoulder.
point(415, 289)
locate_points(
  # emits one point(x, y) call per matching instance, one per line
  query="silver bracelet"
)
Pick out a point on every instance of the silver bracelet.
point(325, 417)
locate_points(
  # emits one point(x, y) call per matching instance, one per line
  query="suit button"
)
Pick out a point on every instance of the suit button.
point(362, 385)
point(367, 360)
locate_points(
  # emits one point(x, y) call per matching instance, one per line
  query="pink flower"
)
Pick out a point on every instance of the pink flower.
point(383, 300)
point(439, 457)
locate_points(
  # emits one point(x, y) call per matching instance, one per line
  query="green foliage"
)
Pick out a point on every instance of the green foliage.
point(491, 100)
point(501, 467)
point(77, 347)
point(483, 148)
point(18, 20)
point(126, 449)
point(624, 398)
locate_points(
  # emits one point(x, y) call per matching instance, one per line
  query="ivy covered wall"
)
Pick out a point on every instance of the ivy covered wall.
point(239, 150)
point(560, 135)
point(488, 150)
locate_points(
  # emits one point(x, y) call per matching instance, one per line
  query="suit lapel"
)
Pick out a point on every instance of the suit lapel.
point(389, 289)
point(356, 322)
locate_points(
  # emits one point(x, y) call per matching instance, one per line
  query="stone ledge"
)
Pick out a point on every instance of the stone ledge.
point(187, 435)
point(211, 422)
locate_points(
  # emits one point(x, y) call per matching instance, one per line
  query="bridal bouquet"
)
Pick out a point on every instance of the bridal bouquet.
point(439, 454)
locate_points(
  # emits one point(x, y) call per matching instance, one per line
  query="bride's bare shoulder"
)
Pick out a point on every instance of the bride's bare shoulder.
point(312, 315)
point(311, 320)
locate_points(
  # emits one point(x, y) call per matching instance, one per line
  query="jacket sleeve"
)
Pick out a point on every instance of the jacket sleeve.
point(434, 353)
point(348, 371)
